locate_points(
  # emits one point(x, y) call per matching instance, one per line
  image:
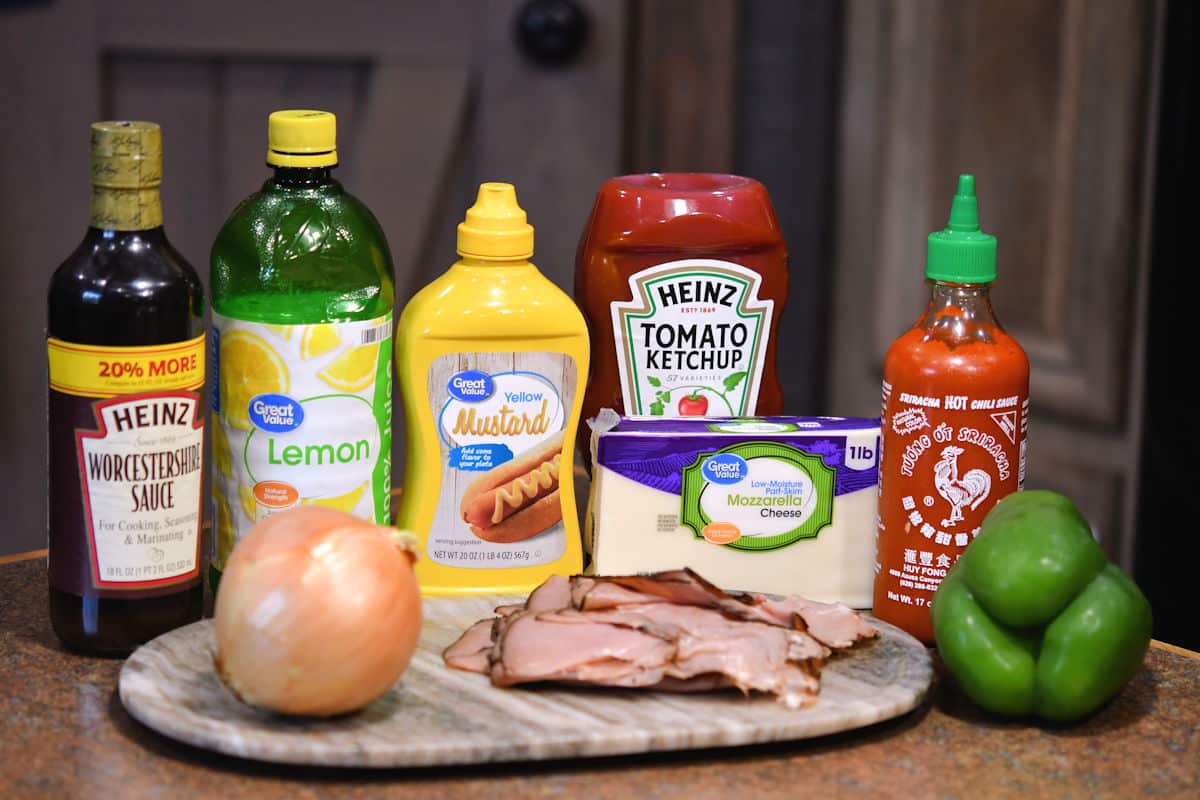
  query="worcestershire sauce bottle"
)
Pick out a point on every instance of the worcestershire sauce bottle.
point(126, 416)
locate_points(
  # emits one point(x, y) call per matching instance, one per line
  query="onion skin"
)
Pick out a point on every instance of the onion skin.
point(318, 612)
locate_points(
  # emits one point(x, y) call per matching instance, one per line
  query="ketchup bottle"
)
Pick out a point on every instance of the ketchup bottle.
point(955, 415)
point(683, 278)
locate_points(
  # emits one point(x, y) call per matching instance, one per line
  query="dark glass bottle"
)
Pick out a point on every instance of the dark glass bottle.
point(126, 417)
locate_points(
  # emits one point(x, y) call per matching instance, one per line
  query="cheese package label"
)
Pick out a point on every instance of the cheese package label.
point(776, 504)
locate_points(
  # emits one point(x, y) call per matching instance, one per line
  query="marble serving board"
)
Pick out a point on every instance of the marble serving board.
point(437, 716)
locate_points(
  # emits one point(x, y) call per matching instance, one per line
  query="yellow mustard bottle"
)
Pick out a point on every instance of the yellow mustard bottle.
point(492, 359)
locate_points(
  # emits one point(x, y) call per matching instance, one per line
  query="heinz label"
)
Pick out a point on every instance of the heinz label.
point(129, 423)
point(692, 341)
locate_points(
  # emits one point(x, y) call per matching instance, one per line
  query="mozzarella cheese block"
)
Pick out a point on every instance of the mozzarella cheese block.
point(784, 505)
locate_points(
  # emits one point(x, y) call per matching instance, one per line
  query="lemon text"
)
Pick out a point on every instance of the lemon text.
point(316, 455)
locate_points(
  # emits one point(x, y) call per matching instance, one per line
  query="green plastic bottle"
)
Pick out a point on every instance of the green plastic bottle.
point(302, 290)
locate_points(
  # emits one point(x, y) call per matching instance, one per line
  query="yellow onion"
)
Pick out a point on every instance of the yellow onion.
point(317, 613)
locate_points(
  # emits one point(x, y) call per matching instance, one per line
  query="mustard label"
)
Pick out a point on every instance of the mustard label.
point(501, 419)
point(87, 370)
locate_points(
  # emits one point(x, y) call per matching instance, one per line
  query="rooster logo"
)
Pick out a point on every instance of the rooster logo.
point(969, 490)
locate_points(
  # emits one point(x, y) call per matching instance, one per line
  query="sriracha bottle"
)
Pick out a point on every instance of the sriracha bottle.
point(955, 415)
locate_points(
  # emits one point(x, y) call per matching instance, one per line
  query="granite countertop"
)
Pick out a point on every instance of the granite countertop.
point(63, 732)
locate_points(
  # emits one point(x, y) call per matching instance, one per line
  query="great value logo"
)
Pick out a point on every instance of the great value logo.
point(276, 413)
point(725, 469)
point(471, 386)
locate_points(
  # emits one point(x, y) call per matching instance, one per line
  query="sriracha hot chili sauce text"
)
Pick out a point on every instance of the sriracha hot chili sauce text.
point(955, 414)
point(682, 278)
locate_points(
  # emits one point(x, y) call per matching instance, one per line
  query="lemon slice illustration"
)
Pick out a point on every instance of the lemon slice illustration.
point(282, 331)
point(249, 506)
point(220, 444)
point(353, 370)
point(249, 367)
point(225, 531)
point(343, 502)
point(318, 340)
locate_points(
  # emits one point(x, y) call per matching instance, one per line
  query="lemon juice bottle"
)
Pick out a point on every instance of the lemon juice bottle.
point(302, 291)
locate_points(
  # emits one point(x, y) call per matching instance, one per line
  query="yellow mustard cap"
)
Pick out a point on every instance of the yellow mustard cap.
point(495, 227)
point(126, 154)
point(302, 138)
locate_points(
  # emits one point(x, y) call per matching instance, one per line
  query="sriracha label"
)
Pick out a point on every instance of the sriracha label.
point(951, 450)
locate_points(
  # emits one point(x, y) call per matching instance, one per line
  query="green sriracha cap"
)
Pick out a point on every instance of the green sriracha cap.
point(962, 253)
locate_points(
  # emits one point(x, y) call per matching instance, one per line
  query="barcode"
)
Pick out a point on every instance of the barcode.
point(373, 335)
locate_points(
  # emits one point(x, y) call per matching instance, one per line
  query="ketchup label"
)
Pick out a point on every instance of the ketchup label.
point(692, 341)
point(947, 460)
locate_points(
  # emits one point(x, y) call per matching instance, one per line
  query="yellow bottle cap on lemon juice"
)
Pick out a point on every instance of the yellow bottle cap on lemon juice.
point(302, 138)
point(495, 228)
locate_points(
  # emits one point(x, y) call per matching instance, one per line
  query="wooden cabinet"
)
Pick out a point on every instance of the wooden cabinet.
point(1052, 105)
point(432, 98)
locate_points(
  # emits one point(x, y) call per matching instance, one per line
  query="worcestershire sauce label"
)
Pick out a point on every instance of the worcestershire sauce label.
point(128, 422)
point(692, 340)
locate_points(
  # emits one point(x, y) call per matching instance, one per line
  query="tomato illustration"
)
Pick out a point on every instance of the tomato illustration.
point(693, 405)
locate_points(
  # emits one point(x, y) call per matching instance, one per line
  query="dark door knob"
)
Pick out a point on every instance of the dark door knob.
point(552, 32)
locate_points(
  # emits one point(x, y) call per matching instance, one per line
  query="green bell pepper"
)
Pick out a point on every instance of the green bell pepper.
point(1033, 619)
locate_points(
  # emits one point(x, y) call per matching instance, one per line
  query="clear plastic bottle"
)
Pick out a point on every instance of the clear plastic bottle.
point(302, 291)
point(955, 415)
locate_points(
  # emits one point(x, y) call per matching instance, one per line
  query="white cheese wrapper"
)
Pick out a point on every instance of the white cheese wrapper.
point(784, 505)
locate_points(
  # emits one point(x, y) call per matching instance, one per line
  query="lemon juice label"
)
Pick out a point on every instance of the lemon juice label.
point(128, 434)
point(301, 414)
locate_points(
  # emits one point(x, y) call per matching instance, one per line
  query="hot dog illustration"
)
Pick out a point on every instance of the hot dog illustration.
point(517, 499)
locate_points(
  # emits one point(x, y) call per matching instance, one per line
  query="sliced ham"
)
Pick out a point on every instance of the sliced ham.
point(671, 631)
point(751, 656)
point(834, 624)
point(530, 649)
point(470, 652)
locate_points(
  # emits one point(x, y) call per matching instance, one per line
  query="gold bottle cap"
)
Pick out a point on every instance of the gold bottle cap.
point(126, 155)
